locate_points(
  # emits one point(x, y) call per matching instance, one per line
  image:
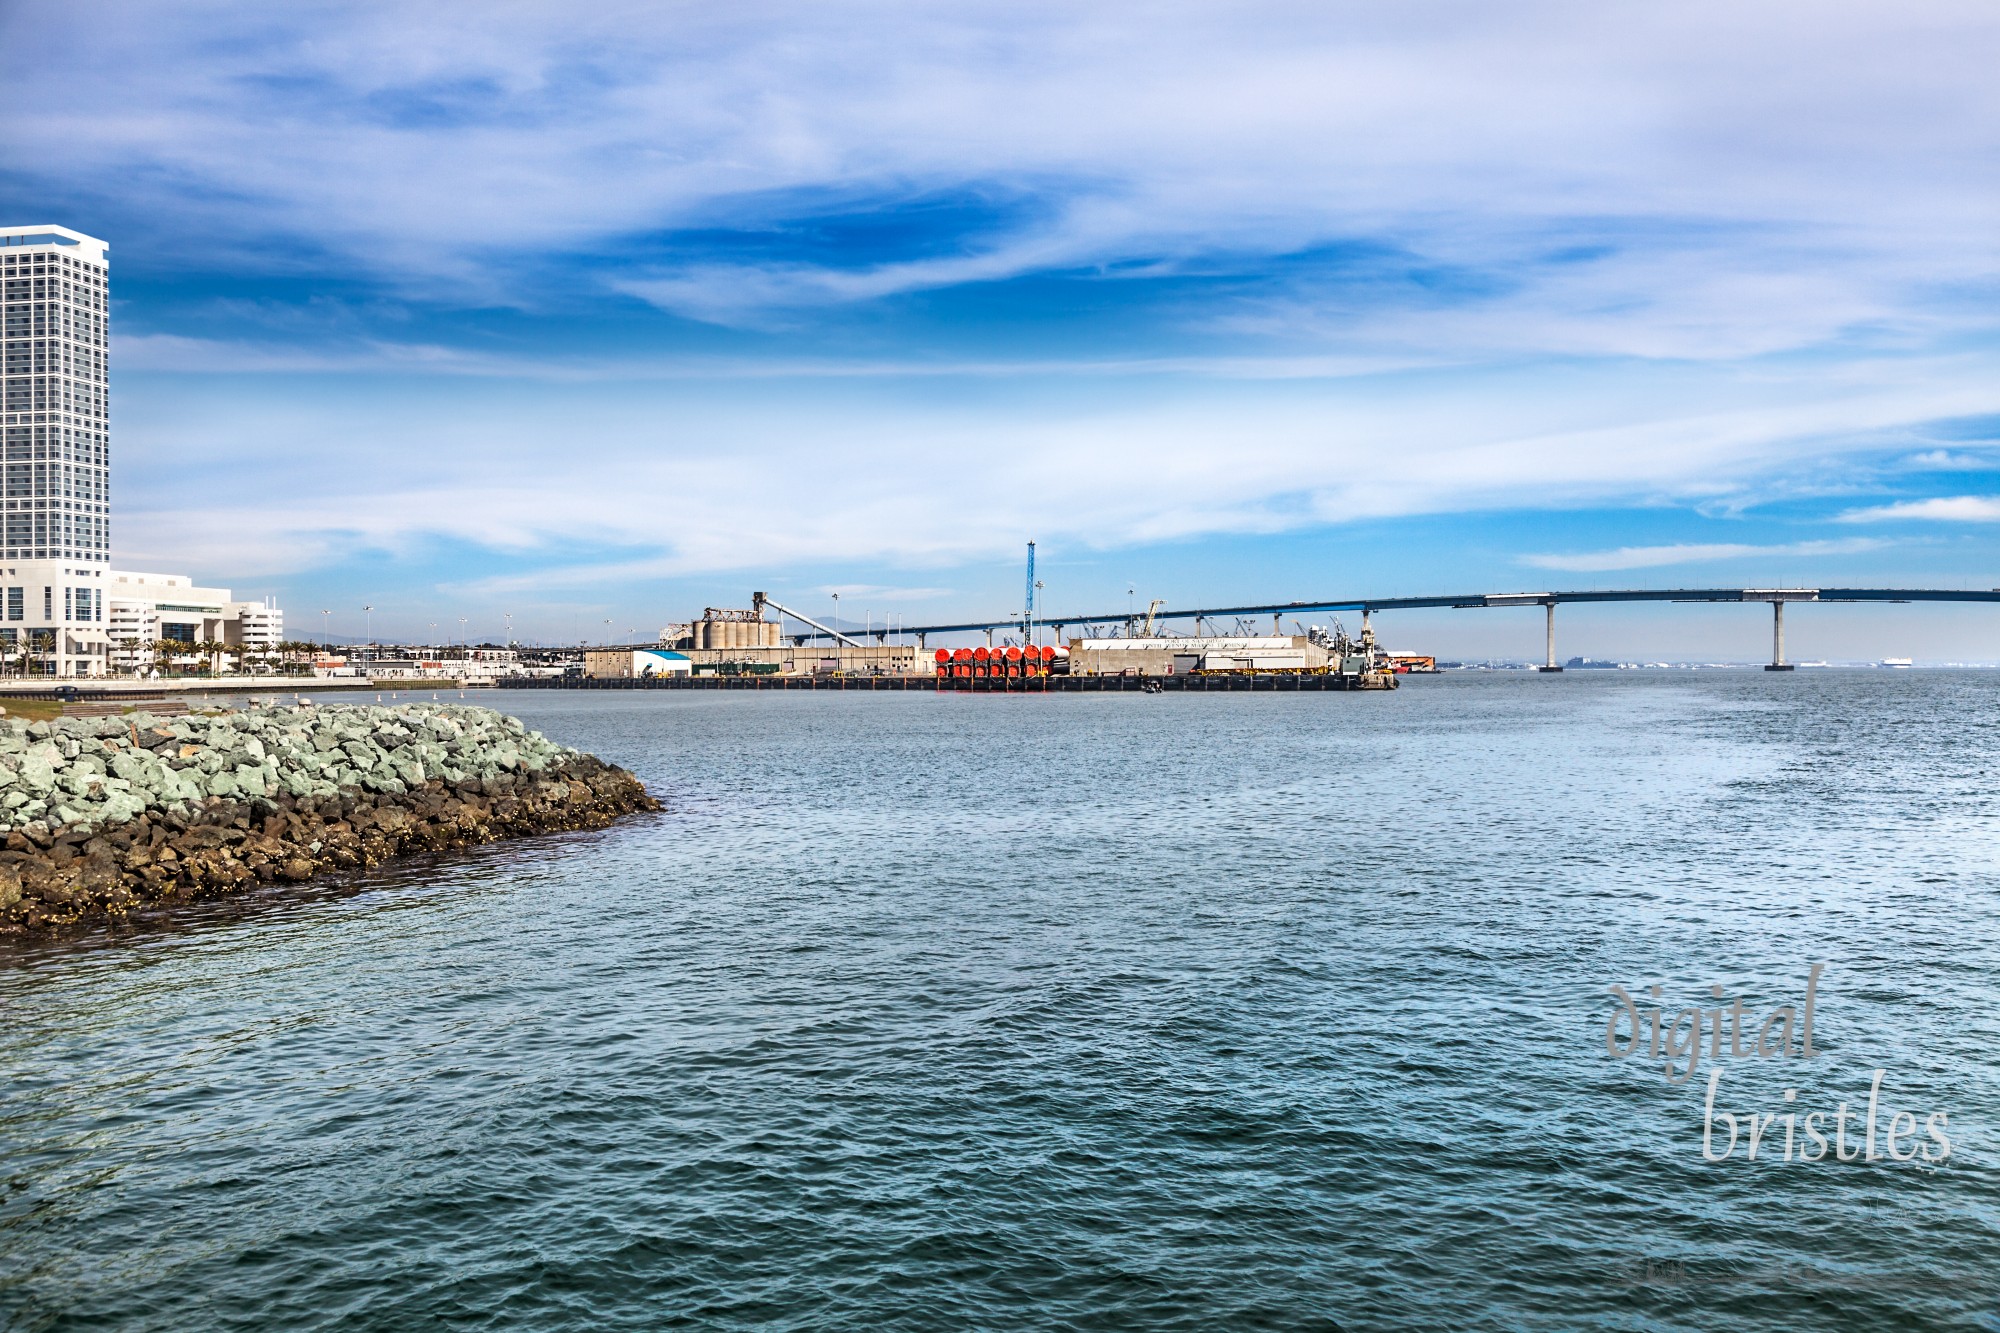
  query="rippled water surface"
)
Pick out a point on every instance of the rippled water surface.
point(1096, 1011)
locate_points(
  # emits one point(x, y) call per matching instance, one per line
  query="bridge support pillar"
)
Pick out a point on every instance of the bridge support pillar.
point(1778, 662)
point(1550, 607)
point(1277, 623)
point(920, 640)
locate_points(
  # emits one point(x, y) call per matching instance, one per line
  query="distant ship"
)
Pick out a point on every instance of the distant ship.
point(1899, 663)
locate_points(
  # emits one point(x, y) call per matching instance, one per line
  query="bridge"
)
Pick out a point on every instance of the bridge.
point(1778, 598)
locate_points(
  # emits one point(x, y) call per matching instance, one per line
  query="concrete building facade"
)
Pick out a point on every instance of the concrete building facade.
point(784, 659)
point(52, 618)
point(634, 663)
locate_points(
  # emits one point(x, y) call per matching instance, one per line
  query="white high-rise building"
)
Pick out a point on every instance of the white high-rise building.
point(55, 514)
point(56, 284)
point(55, 490)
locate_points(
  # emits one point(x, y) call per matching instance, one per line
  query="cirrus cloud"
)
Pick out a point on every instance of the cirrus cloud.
point(1941, 509)
point(1691, 553)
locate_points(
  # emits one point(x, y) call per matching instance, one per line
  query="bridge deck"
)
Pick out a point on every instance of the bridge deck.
point(1478, 601)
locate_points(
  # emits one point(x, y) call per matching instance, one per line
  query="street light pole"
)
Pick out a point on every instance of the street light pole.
point(368, 633)
point(835, 623)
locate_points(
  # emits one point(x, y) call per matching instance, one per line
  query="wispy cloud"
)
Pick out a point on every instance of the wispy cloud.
point(1942, 509)
point(855, 592)
point(1945, 460)
point(182, 355)
point(1649, 557)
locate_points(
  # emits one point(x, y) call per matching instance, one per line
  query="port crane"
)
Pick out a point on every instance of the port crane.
point(760, 601)
point(1028, 606)
point(1133, 623)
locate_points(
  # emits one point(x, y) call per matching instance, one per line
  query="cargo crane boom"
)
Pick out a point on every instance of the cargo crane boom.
point(760, 601)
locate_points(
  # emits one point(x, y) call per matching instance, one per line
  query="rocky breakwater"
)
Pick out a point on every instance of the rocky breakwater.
point(104, 815)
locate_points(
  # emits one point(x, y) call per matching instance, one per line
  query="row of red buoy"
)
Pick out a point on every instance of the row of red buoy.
point(990, 663)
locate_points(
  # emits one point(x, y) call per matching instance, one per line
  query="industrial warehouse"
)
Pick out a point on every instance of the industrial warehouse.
point(744, 648)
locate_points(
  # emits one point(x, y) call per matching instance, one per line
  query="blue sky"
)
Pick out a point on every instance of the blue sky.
point(601, 317)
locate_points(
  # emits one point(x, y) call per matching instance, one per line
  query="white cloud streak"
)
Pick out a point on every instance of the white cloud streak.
point(1945, 460)
point(1943, 509)
point(1693, 553)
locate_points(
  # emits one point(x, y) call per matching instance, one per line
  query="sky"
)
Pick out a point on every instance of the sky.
point(580, 319)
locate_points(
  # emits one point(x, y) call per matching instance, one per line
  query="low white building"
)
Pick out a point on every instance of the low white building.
point(146, 610)
point(53, 618)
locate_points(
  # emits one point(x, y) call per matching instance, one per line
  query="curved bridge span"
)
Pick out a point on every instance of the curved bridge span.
point(1368, 606)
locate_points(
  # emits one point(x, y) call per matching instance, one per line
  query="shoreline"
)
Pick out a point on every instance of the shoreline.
point(149, 812)
point(116, 687)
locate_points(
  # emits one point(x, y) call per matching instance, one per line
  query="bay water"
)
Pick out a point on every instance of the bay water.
point(924, 1011)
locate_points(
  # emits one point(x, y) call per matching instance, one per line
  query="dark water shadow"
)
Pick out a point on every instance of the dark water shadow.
point(469, 869)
